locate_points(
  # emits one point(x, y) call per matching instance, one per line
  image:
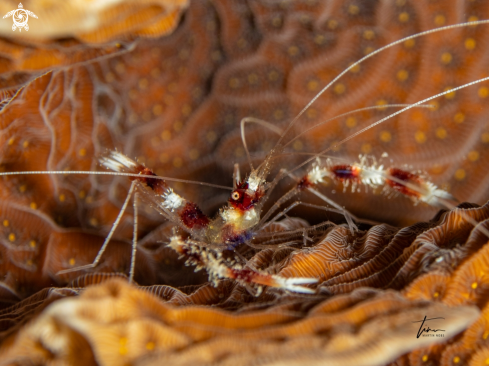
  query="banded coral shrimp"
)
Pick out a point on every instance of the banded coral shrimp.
point(65, 173)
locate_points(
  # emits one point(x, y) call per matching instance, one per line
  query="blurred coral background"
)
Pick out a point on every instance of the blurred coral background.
point(167, 82)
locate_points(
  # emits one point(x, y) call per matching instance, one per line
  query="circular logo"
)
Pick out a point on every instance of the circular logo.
point(20, 18)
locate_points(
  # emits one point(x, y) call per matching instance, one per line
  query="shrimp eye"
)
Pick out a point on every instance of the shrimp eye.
point(235, 196)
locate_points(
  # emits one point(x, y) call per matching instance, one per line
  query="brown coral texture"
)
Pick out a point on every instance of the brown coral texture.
point(167, 82)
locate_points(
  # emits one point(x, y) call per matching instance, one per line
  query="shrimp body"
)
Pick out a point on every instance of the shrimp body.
point(234, 225)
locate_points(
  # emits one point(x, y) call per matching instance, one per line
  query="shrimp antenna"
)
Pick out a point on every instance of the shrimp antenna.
point(387, 118)
point(275, 129)
point(85, 172)
point(278, 146)
point(263, 123)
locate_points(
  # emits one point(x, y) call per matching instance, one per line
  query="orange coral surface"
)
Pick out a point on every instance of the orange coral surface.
point(169, 85)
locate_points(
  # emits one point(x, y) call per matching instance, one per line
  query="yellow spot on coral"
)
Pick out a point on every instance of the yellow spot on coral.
point(11, 141)
point(278, 114)
point(446, 58)
point(273, 76)
point(32, 243)
point(11, 237)
point(143, 83)
point(473, 155)
point(474, 285)
point(355, 68)
point(109, 77)
point(380, 103)
point(385, 136)
point(339, 88)
point(312, 85)
point(425, 358)
point(402, 75)
point(487, 361)
point(150, 346)
point(234, 83)
point(62, 197)
point(460, 174)
point(449, 95)
point(439, 20)
point(120, 68)
point(157, 109)
point(239, 152)
point(252, 79)
point(434, 105)
point(456, 359)
point(166, 135)
point(82, 194)
point(33, 205)
point(353, 9)
point(242, 43)
point(29, 262)
point(436, 294)
point(366, 148)
point(485, 335)
point(403, 17)
point(485, 137)
point(298, 145)
point(369, 34)
point(211, 136)
point(277, 21)
point(312, 113)
point(459, 117)
point(332, 24)
point(470, 43)
point(441, 133)
point(82, 152)
point(483, 92)
point(368, 50)
point(473, 18)
point(351, 122)
point(25, 144)
point(420, 137)
point(293, 51)
point(400, 2)
point(89, 199)
point(186, 110)
point(409, 43)
point(93, 221)
point(178, 125)
point(6, 223)
point(177, 162)
point(194, 154)
point(319, 39)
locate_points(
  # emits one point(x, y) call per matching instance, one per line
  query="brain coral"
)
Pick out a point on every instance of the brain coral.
point(169, 84)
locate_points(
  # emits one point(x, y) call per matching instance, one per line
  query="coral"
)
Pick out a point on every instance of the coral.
point(363, 310)
point(171, 90)
point(114, 323)
point(97, 22)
